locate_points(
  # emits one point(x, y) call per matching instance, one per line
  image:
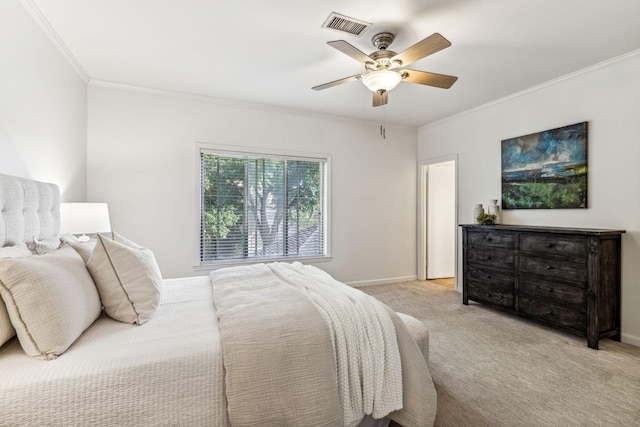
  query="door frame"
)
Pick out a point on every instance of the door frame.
point(423, 168)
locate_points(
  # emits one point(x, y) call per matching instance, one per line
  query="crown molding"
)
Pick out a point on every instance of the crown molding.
point(532, 89)
point(48, 30)
point(231, 102)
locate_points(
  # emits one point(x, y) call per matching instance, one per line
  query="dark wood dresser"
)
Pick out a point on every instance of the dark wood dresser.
point(567, 278)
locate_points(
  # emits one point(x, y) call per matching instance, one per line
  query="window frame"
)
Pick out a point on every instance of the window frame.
point(237, 151)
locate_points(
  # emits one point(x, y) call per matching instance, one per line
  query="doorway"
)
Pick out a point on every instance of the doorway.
point(438, 220)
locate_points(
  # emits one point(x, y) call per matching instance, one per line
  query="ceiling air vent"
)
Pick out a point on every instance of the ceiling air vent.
point(344, 24)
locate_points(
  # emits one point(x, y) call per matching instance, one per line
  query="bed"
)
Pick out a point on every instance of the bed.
point(262, 345)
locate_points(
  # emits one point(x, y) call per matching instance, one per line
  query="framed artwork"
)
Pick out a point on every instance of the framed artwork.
point(546, 170)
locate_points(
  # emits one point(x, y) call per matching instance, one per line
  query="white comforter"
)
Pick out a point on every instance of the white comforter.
point(166, 372)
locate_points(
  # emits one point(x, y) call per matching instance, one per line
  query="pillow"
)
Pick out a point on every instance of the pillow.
point(50, 298)
point(7, 331)
point(41, 247)
point(127, 277)
point(18, 251)
point(83, 248)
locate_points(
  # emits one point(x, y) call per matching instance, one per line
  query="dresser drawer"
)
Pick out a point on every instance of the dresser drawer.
point(553, 268)
point(485, 256)
point(495, 294)
point(552, 313)
point(484, 275)
point(561, 245)
point(491, 238)
point(554, 291)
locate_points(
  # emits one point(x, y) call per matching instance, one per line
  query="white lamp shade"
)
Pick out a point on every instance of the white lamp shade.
point(82, 218)
point(381, 80)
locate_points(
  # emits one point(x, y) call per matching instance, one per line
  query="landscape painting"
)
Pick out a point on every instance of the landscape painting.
point(546, 170)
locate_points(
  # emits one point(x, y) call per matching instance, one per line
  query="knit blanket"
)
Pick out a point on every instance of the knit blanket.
point(364, 342)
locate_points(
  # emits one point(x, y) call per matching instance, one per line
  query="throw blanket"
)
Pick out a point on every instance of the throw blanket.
point(300, 348)
point(364, 340)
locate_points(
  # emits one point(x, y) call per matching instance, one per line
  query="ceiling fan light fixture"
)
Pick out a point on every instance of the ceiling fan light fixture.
point(382, 80)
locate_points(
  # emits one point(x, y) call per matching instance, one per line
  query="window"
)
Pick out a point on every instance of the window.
point(257, 206)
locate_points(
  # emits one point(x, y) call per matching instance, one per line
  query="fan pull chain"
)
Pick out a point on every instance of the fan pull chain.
point(383, 126)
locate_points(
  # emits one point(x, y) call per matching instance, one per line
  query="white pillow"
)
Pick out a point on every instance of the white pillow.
point(50, 298)
point(41, 247)
point(17, 251)
point(127, 277)
point(7, 331)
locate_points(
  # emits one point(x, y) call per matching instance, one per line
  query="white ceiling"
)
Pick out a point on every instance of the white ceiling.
point(273, 52)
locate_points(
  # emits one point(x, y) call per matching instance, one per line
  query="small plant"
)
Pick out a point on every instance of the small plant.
point(486, 219)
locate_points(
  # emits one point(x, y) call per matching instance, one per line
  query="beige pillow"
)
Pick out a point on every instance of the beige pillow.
point(83, 248)
point(7, 331)
point(127, 277)
point(50, 298)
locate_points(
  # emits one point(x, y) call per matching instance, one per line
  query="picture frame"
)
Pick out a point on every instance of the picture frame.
point(546, 170)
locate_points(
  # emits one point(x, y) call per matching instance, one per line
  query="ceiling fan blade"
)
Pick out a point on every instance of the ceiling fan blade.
point(428, 46)
point(350, 50)
point(430, 79)
point(380, 99)
point(337, 82)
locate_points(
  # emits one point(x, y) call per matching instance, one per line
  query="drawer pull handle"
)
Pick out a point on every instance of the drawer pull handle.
point(549, 245)
point(549, 267)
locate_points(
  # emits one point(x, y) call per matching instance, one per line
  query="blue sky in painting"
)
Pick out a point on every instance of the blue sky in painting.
point(562, 145)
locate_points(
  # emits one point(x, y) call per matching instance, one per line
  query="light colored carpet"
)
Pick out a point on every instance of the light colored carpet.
point(495, 369)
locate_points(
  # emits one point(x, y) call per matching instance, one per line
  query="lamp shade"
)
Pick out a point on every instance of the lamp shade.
point(384, 80)
point(82, 218)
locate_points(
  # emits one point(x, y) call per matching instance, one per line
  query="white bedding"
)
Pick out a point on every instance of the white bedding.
point(357, 356)
point(167, 372)
point(126, 375)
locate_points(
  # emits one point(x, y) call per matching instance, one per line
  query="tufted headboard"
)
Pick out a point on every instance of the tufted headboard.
point(28, 209)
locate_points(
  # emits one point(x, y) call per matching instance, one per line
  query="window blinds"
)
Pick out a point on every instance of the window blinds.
point(256, 207)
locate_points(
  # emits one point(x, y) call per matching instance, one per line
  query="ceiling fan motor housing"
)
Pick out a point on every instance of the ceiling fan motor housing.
point(382, 40)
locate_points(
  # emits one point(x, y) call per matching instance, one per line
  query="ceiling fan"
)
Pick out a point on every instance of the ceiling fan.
point(385, 68)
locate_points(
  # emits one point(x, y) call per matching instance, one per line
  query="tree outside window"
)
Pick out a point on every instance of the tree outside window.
point(261, 207)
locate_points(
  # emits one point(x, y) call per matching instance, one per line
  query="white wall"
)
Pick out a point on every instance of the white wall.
point(142, 160)
point(608, 97)
point(43, 109)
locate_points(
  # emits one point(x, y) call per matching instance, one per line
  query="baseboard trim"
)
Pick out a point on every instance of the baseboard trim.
point(630, 339)
point(382, 281)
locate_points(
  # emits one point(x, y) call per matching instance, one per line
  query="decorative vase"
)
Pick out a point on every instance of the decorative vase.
point(477, 211)
point(494, 209)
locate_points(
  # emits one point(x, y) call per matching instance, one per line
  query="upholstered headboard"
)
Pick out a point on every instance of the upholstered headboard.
point(28, 209)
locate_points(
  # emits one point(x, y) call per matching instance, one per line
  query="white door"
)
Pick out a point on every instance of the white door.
point(441, 221)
